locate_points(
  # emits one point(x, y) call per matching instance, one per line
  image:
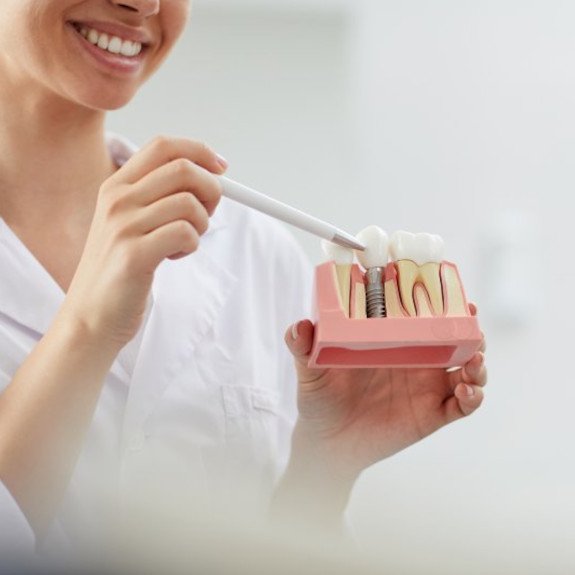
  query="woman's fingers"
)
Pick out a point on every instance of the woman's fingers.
point(156, 206)
point(177, 176)
point(176, 238)
point(177, 191)
point(483, 344)
point(473, 372)
point(162, 150)
point(464, 401)
point(179, 206)
point(468, 398)
point(299, 339)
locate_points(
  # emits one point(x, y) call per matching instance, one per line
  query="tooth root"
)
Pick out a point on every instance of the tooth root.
point(422, 303)
point(429, 275)
point(392, 299)
point(431, 278)
point(455, 301)
point(357, 304)
point(408, 273)
point(360, 302)
point(342, 280)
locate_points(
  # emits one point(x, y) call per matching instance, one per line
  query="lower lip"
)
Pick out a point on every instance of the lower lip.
point(111, 62)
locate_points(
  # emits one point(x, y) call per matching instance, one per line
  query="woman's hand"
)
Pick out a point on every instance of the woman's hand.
point(352, 418)
point(154, 207)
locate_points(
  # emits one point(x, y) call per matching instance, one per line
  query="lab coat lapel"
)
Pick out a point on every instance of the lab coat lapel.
point(188, 296)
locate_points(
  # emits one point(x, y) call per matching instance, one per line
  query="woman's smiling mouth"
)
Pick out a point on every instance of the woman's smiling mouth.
point(112, 44)
point(116, 47)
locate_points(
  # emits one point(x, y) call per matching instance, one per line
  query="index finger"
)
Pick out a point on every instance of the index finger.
point(161, 151)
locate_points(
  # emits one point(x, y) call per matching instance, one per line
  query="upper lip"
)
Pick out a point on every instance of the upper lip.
point(115, 29)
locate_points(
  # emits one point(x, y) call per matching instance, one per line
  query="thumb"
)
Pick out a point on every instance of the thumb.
point(299, 339)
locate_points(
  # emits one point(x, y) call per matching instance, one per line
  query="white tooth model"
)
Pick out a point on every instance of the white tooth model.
point(374, 259)
point(418, 259)
point(343, 258)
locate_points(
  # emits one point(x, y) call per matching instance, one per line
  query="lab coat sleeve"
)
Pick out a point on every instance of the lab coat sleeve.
point(16, 535)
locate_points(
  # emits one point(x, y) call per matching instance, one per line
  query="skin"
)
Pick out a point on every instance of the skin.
point(113, 227)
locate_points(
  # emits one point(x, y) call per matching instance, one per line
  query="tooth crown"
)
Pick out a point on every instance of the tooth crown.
point(419, 248)
point(339, 254)
point(376, 247)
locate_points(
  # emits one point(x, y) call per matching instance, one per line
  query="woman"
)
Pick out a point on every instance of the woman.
point(125, 375)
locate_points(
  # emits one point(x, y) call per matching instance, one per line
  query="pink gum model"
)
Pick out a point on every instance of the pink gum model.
point(392, 341)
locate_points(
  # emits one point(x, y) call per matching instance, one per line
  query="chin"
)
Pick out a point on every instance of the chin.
point(106, 101)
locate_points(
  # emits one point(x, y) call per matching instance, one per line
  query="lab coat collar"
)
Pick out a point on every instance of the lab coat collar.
point(188, 297)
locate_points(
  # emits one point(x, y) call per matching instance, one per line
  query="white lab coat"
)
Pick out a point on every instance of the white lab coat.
point(200, 406)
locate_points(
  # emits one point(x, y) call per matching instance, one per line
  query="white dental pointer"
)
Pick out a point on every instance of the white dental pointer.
point(262, 203)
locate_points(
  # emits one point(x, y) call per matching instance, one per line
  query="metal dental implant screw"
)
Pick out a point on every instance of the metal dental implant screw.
point(375, 292)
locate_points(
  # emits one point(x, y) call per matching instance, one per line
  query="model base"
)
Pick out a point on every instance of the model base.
point(401, 342)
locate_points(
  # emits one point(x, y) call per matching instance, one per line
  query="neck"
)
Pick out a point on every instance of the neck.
point(53, 158)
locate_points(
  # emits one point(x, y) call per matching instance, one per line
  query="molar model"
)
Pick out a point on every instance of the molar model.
point(427, 320)
point(418, 260)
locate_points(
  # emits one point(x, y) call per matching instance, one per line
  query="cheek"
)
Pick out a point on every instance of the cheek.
point(176, 14)
point(29, 38)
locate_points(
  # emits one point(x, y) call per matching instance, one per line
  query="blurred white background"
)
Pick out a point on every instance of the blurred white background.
point(455, 117)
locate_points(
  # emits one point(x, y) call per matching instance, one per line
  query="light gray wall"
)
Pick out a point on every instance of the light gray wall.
point(469, 133)
point(269, 89)
point(454, 117)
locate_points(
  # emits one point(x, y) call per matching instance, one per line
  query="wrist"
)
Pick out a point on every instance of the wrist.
point(315, 488)
point(84, 336)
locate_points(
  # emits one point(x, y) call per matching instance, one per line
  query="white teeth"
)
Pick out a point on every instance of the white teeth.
point(131, 48)
point(93, 36)
point(340, 255)
point(103, 41)
point(376, 250)
point(419, 248)
point(114, 44)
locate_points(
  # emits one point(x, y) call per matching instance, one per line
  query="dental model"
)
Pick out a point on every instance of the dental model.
point(374, 259)
point(423, 319)
point(418, 259)
point(357, 302)
point(343, 258)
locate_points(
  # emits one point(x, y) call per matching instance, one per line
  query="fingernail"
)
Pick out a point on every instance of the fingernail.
point(294, 331)
point(222, 162)
point(469, 391)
